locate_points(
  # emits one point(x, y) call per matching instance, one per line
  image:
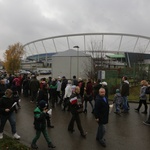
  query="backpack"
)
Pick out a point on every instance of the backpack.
point(147, 91)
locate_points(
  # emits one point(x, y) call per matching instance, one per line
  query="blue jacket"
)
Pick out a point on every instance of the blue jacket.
point(101, 110)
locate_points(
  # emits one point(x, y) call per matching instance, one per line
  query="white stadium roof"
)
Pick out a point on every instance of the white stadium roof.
point(90, 43)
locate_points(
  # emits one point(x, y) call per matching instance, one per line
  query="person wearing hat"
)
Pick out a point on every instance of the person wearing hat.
point(40, 124)
point(118, 101)
point(104, 85)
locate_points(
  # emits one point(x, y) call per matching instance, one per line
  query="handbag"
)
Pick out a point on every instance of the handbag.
point(80, 109)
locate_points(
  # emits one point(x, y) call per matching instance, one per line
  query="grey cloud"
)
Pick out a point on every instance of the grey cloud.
point(27, 20)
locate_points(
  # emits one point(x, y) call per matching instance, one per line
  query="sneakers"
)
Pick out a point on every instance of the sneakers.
point(146, 123)
point(1, 135)
point(34, 146)
point(50, 145)
point(16, 136)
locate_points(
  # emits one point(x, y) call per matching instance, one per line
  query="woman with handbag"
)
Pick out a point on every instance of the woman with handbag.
point(76, 108)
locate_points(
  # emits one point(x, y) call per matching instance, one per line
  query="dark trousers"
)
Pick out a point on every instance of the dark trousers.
point(58, 96)
point(140, 104)
point(38, 134)
point(34, 95)
point(100, 132)
point(75, 117)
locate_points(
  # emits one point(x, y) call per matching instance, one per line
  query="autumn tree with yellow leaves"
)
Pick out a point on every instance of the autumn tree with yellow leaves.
point(12, 58)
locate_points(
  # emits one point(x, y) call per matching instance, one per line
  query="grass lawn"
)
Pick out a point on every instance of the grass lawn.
point(8, 143)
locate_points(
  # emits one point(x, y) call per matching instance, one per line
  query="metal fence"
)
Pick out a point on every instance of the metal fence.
point(135, 74)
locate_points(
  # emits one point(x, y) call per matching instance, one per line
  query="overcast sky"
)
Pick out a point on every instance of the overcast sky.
point(27, 20)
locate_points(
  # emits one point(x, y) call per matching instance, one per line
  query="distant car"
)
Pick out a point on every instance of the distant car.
point(24, 72)
point(45, 72)
point(35, 73)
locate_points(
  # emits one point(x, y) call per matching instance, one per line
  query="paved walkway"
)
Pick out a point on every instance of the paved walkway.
point(125, 132)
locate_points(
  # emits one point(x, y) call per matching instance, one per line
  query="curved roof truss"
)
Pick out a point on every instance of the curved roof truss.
point(91, 43)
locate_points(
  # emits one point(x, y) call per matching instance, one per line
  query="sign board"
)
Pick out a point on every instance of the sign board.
point(101, 74)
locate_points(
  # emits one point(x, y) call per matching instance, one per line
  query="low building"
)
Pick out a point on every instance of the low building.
point(70, 63)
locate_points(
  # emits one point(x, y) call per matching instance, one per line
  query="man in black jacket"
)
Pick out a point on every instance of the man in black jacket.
point(101, 113)
point(125, 93)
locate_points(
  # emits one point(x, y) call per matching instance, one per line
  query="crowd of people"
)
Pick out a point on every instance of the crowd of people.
point(72, 95)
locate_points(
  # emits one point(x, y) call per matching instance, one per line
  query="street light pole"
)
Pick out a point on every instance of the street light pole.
point(77, 60)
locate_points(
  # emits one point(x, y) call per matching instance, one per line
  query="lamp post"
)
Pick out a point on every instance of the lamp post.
point(77, 47)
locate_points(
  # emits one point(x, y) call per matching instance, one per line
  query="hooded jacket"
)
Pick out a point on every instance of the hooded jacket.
point(125, 88)
point(39, 119)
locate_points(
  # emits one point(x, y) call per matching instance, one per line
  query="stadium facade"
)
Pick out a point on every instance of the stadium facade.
point(105, 49)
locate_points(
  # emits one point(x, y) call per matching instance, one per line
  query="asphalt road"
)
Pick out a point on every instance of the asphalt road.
point(125, 132)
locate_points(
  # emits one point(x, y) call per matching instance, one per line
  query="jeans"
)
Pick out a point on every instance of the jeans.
point(38, 133)
point(117, 106)
point(125, 103)
point(100, 132)
point(11, 118)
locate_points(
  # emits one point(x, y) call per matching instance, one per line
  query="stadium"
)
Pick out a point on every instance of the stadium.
point(103, 50)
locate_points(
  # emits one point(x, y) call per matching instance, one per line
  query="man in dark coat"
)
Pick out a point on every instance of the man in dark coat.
point(101, 113)
point(34, 87)
point(125, 93)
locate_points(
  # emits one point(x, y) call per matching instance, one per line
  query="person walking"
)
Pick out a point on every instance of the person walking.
point(147, 122)
point(76, 109)
point(105, 86)
point(34, 87)
point(88, 96)
point(53, 89)
point(40, 125)
point(143, 96)
point(118, 101)
point(75, 81)
point(68, 93)
point(7, 108)
point(58, 90)
point(125, 93)
point(101, 112)
point(43, 95)
point(63, 86)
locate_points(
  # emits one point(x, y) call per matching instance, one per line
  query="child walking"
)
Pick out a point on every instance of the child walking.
point(118, 101)
point(40, 125)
